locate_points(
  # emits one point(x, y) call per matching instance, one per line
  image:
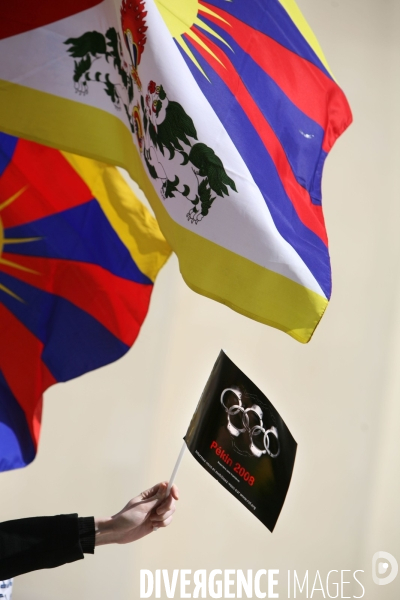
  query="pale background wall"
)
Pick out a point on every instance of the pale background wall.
point(110, 434)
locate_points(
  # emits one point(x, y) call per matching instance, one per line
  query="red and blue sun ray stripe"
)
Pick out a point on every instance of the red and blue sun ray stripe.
point(281, 108)
point(72, 299)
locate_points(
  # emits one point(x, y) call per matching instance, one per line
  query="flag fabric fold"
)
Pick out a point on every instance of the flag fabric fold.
point(224, 114)
point(78, 258)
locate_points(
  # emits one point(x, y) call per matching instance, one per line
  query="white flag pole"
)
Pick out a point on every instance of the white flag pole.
point(174, 472)
point(176, 467)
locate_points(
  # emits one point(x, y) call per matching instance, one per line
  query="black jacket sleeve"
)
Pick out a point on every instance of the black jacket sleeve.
point(42, 543)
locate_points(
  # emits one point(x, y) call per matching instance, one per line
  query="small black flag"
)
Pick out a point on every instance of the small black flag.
point(240, 439)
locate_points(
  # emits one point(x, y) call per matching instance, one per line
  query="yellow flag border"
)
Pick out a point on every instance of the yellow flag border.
point(298, 19)
point(134, 225)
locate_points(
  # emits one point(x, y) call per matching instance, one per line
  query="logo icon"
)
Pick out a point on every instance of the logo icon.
point(253, 429)
point(384, 563)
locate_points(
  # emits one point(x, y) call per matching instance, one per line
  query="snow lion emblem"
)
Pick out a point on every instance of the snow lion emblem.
point(165, 134)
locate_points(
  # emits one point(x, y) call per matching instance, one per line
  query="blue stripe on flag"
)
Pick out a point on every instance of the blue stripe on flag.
point(74, 341)
point(269, 17)
point(7, 148)
point(307, 244)
point(81, 234)
point(16, 446)
point(300, 136)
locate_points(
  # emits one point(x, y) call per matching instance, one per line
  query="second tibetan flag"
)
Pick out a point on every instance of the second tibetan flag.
point(78, 258)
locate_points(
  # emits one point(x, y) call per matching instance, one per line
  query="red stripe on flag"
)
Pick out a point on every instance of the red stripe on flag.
point(49, 190)
point(310, 214)
point(118, 304)
point(26, 375)
point(24, 15)
point(313, 92)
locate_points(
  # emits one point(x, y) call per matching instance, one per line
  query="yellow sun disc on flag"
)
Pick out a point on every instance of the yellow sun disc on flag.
point(180, 16)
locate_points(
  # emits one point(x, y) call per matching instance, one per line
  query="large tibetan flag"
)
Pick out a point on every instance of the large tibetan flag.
point(78, 258)
point(223, 111)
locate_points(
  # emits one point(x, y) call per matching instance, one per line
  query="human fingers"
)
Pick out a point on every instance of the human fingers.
point(164, 506)
point(164, 523)
point(156, 492)
point(155, 517)
point(148, 499)
point(174, 492)
point(169, 500)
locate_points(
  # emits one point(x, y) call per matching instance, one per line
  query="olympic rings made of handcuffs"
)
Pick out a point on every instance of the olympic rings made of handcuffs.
point(254, 431)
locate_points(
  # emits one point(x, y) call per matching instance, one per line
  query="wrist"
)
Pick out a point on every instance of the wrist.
point(104, 531)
